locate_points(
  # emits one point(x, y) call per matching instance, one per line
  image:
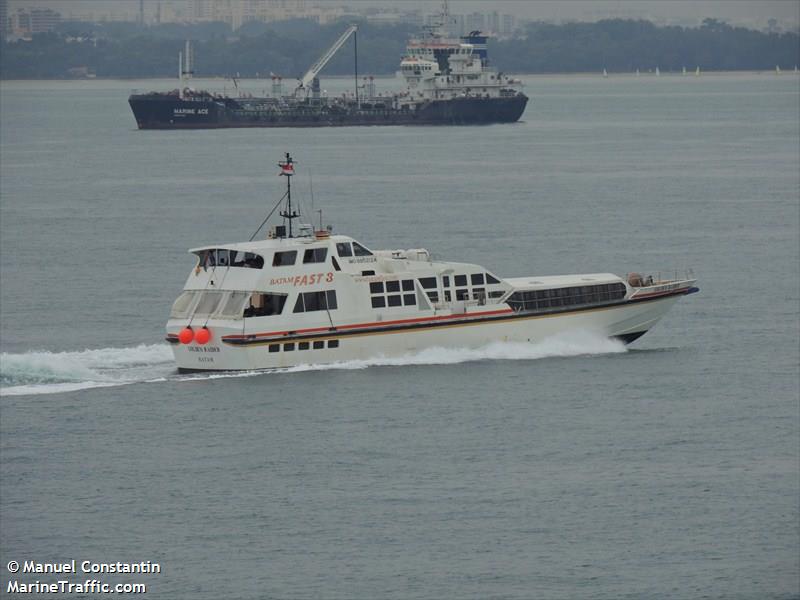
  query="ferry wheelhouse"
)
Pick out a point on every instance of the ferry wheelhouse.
point(310, 297)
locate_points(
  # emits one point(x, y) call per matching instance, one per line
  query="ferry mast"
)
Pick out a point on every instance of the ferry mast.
point(287, 170)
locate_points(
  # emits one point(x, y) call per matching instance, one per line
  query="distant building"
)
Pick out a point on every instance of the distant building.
point(23, 23)
point(508, 25)
point(4, 25)
point(456, 25)
point(415, 18)
point(476, 21)
point(20, 22)
point(44, 19)
point(493, 25)
point(239, 12)
point(212, 10)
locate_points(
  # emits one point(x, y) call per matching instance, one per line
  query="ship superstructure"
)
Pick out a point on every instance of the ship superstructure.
point(304, 295)
point(439, 67)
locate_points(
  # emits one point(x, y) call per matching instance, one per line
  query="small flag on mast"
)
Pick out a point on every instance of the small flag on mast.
point(287, 167)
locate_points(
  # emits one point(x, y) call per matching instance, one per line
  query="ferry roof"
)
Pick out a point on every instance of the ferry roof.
point(268, 244)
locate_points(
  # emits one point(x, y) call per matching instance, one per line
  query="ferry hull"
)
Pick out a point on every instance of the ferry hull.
point(627, 321)
point(162, 111)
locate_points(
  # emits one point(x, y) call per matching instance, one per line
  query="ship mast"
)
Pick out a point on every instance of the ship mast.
point(287, 170)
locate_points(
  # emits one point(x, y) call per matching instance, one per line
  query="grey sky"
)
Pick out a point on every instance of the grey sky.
point(753, 13)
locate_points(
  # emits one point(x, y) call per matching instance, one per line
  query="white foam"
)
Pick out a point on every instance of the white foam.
point(34, 373)
point(54, 372)
point(573, 343)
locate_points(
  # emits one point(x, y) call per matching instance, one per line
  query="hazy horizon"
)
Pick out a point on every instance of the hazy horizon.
point(736, 12)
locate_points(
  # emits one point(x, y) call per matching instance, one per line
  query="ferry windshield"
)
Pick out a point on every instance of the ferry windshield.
point(359, 250)
point(222, 257)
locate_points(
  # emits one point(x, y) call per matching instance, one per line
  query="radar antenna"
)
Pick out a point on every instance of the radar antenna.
point(440, 23)
point(287, 170)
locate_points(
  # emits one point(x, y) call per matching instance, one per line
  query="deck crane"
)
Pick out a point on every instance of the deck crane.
point(309, 82)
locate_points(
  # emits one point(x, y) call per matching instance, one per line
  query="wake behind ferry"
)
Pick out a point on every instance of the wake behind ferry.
point(306, 296)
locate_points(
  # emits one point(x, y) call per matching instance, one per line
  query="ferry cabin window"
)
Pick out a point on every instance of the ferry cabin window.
point(288, 347)
point(220, 257)
point(394, 300)
point(434, 296)
point(376, 287)
point(302, 346)
point(477, 278)
point(208, 258)
point(315, 255)
point(265, 305)
point(208, 303)
point(446, 280)
point(378, 302)
point(318, 345)
point(491, 278)
point(274, 347)
point(284, 259)
point(447, 296)
point(343, 249)
point(359, 250)
point(392, 286)
point(335, 264)
point(408, 285)
point(574, 296)
point(234, 306)
point(462, 294)
point(330, 297)
point(333, 343)
point(181, 304)
point(428, 282)
point(246, 259)
point(313, 301)
point(409, 299)
point(460, 280)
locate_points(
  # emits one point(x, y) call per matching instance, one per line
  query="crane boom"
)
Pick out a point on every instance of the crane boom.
point(312, 72)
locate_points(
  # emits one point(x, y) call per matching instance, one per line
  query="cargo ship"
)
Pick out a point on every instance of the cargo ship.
point(449, 81)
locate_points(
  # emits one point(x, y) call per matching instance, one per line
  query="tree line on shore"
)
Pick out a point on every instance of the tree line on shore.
point(288, 48)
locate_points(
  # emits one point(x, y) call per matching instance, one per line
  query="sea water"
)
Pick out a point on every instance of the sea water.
point(575, 467)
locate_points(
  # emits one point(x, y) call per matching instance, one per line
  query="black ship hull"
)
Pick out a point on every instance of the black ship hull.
point(168, 111)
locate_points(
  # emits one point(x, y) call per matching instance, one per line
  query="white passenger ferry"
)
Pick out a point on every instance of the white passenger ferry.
point(310, 297)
